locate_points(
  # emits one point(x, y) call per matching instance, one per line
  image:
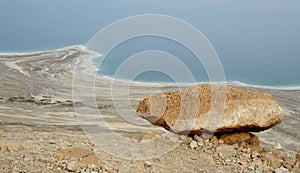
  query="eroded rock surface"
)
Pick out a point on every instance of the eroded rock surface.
point(215, 108)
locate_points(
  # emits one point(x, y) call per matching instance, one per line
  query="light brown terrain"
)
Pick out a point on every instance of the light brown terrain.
point(40, 133)
point(215, 108)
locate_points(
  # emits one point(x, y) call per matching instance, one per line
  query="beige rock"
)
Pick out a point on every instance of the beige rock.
point(200, 108)
point(75, 153)
point(206, 136)
point(253, 140)
point(3, 148)
point(275, 163)
point(282, 170)
point(296, 168)
point(193, 144)
point(3, 130)
point(72, 166)
point(198, 138)
point(288, 163)
point(225, 151)
point(298, 157)
point(92, 159)
point(287, 166)
point(147, 164)
point(214, 140)
point(258, 163)
point(233, 138)
point(12, 147)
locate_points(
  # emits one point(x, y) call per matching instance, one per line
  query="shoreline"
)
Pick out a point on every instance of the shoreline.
point(38, 108)
point(89, 62)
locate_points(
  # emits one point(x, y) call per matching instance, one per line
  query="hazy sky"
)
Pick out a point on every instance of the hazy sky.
point(256, 39)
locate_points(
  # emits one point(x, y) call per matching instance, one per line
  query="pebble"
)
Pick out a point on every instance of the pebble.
point(214, 140)
point(13, 147)
point(282, 170)
point(147, 164)
point(182, 137)
point(200, 144)
point(209, 145)
point(225, 151)
point(188, 139)
point(72, 166)
point(3, 149)
point(298, 156)
point(198, 138)
point(221, 141)
point(275, 163)
point(193, 144)
point(206, 136)
point(255, 154)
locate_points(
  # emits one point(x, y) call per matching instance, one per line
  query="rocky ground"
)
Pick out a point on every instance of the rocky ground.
point(39, 131)
point(58, 152)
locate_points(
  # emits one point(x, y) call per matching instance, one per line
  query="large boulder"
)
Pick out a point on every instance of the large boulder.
point(215, 108)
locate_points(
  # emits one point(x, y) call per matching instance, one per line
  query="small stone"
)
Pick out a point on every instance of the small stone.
point(72, 166)
point(278, 146)
point(3, 130)
point(147, 164)
point(258, 163)
point(92, 159)
point(242, 162)
point(233, 138)
point(206, 136)
point(242, 144)
point(52, 142)
point(200, 144)
point(275, 163)
point(3, 149)
point(221, 141)
point(253, 140)
point(12, 147)
point(214, 140)
point(225, 151)
point(298, 157)
point(209, 145)
point(246, 155)
point(193, 144)
point(287, 166)
point(282, 170)
point(75, 153)
point(228, 160)
point(235, 146)
point(188, 140)
point(182, 137)
point(198, 138)
point(254, 154)
point(296, 168)
point(289, 161)
point(251, 168)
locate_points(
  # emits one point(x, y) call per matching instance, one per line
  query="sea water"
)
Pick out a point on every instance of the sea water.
point(240, 71)
point(257, 41)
